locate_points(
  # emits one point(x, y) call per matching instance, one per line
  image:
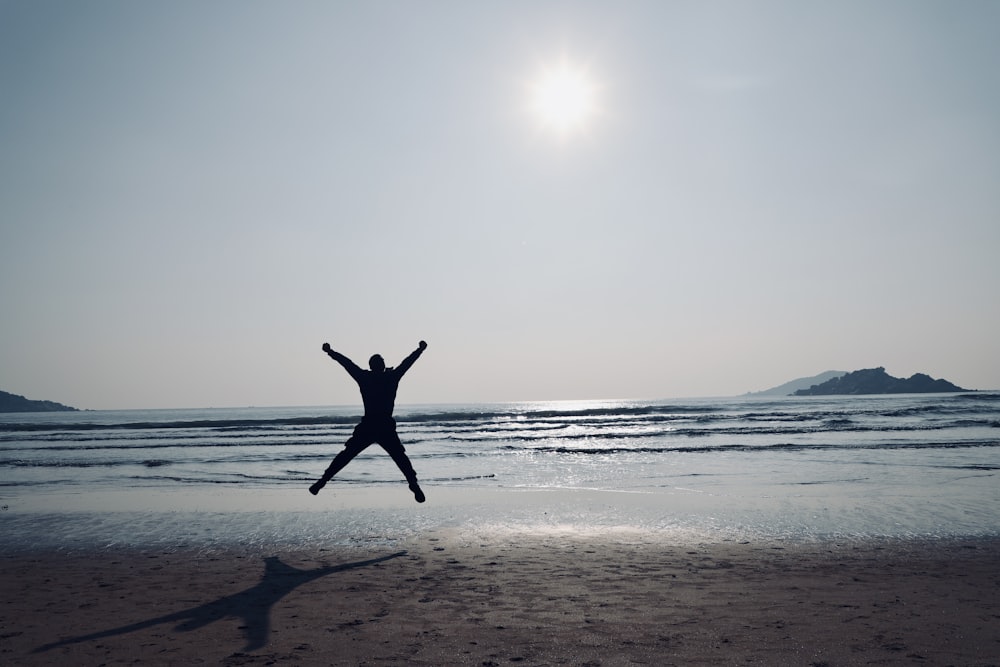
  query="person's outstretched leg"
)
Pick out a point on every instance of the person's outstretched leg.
point(391, 444)
point(354, 446)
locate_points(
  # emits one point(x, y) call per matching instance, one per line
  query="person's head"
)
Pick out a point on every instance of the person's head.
point(376, 363)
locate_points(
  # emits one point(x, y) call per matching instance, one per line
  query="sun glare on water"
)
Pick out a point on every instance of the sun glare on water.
point(563, 98)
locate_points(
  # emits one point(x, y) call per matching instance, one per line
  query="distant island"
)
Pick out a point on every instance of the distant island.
point(15, 403)
point(877, 381)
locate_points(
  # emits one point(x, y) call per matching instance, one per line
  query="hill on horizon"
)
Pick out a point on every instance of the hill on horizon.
point(789, 388)
point(16, 403)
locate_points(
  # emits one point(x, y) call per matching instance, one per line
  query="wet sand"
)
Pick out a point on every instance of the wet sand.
point(497, 598)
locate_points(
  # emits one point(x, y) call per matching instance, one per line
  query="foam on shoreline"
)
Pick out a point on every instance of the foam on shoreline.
point(347, 515)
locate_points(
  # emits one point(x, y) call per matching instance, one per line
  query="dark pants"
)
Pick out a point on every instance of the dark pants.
point(367, 434)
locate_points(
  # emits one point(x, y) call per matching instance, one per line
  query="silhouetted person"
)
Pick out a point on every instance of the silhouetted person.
point(378, 392)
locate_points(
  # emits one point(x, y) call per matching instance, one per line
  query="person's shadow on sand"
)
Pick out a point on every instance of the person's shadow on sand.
point(252, 605)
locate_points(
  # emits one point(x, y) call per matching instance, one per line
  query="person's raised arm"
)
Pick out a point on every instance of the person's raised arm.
point(406, 363)
point(348, 365)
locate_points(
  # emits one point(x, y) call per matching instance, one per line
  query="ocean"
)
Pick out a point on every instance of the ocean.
point(732, 468)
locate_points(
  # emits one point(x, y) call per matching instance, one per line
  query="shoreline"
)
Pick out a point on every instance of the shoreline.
point(214, 520)
point(483, 597)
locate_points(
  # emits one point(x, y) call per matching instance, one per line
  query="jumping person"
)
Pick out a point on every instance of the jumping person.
point(378, 392)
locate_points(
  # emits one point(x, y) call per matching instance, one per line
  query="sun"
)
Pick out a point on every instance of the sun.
point(563, 98)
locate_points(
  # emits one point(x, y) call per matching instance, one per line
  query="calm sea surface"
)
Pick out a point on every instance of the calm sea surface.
point(873, 465)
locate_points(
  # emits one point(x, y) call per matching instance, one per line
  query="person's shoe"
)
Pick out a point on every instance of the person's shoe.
point(417, 493)
point(314, 489)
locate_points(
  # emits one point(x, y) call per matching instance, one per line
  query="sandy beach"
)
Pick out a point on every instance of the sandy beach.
point(489, 598)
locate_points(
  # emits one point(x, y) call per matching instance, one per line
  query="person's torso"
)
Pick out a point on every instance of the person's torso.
point(378, 393)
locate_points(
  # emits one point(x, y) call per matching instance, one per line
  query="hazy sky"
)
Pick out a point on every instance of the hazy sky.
point(194, 196)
